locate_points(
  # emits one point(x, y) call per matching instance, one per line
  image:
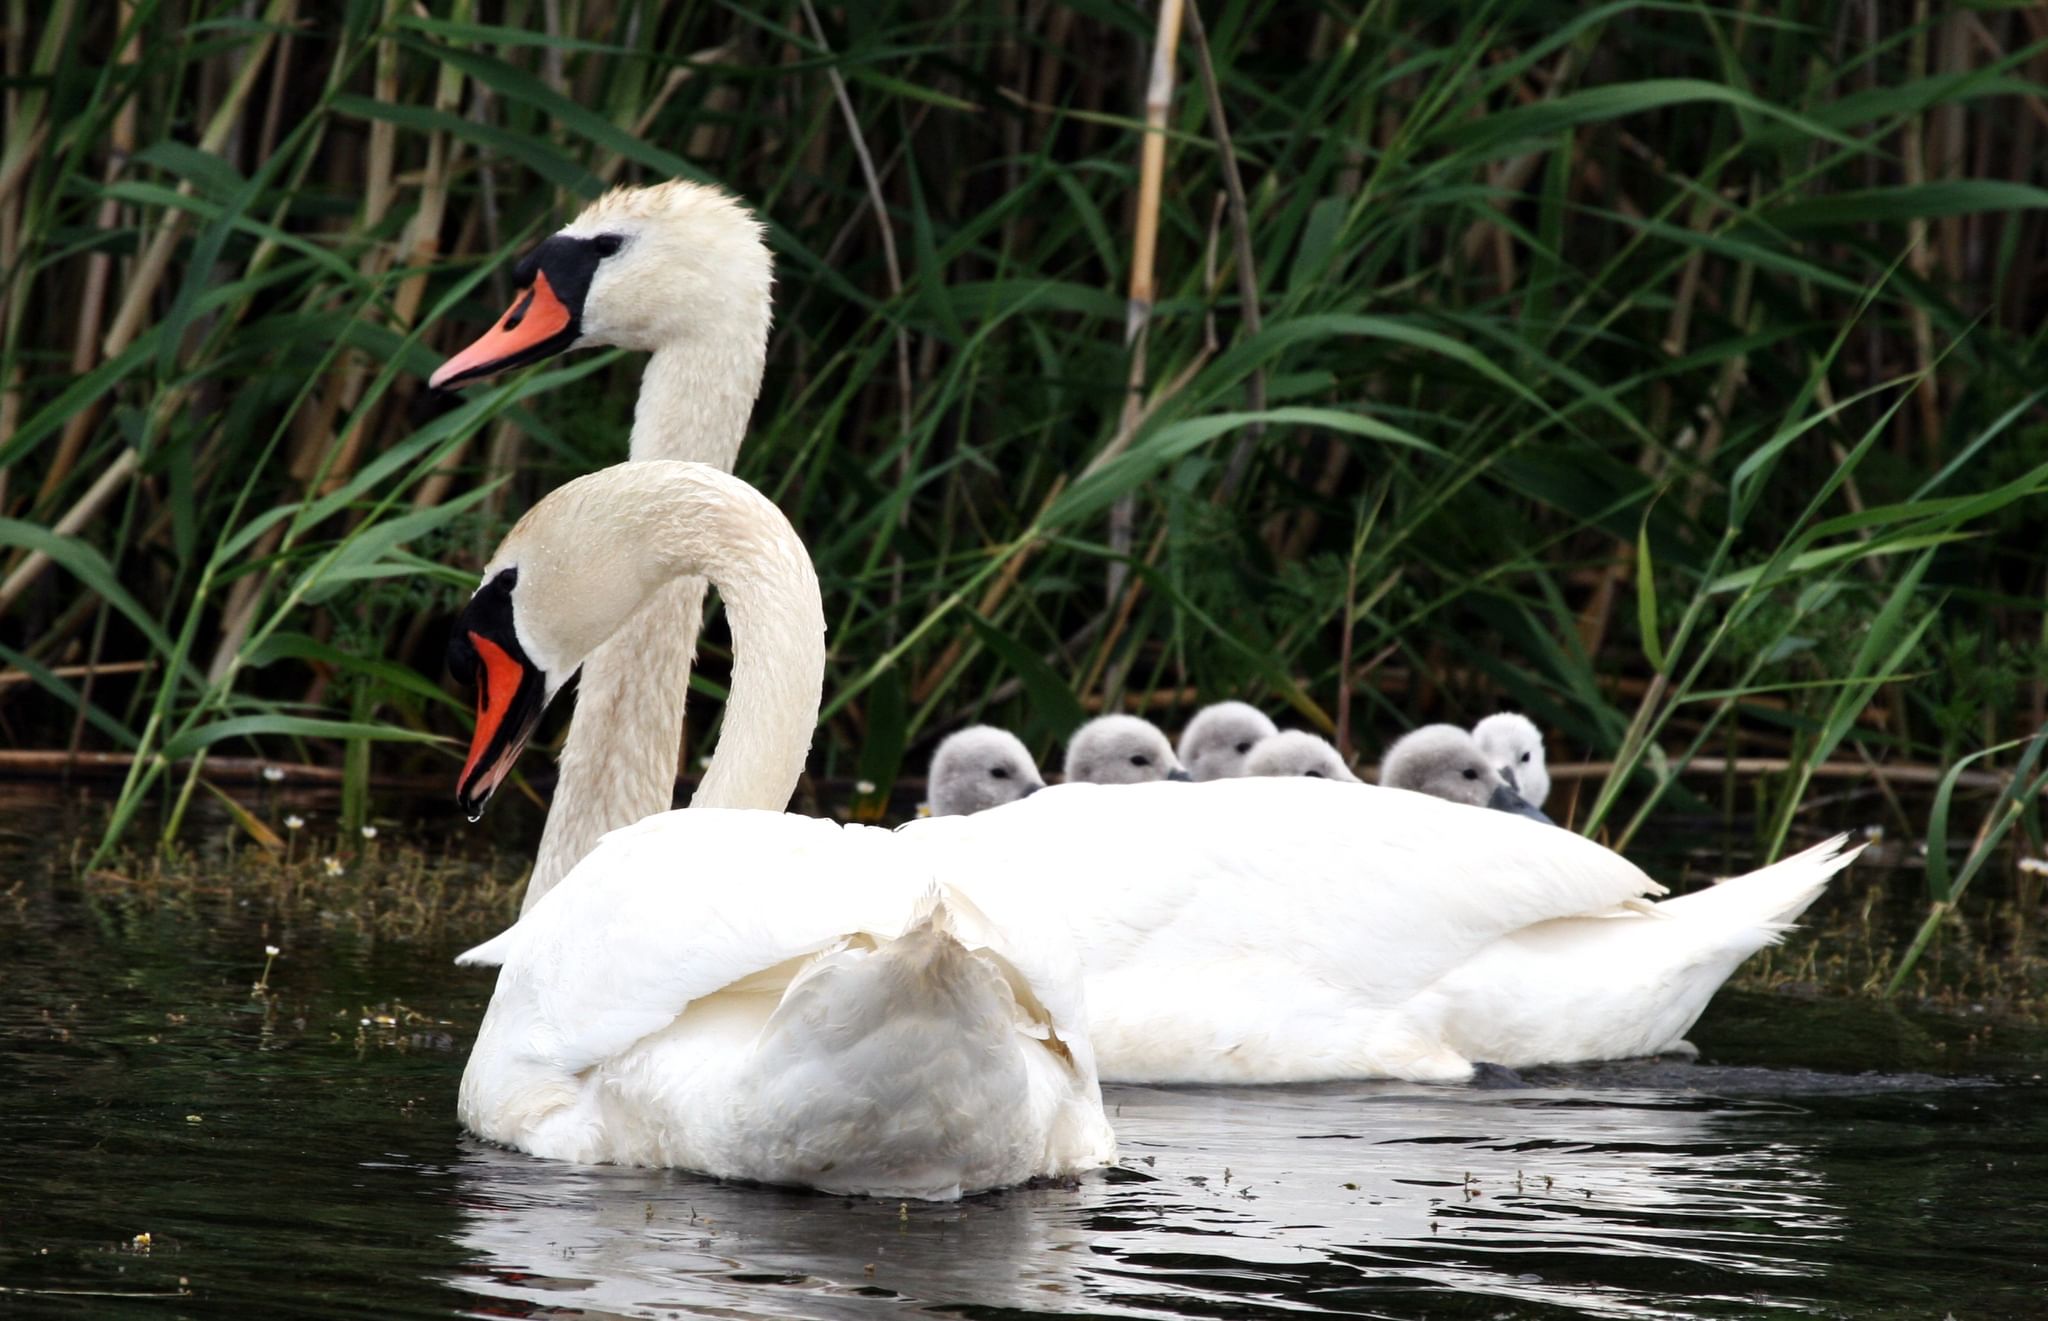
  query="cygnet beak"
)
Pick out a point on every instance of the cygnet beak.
point(1180, 774)
point(1508, 773)
point(1032, 789)
point(1505, 799)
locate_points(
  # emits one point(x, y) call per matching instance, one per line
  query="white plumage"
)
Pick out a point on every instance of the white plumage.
point(1353, 932)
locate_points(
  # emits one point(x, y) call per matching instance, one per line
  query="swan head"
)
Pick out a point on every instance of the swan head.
point(568, 576)
point(1121, 750)
point(640, 268)
point(1217, 741)
point(978, 768)
point(1298, 753)
point(1444, 761)
point(1515, 746)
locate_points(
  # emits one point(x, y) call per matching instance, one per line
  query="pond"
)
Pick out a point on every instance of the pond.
point(177, 1145)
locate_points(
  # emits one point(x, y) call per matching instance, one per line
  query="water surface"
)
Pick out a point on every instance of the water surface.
point(294, 1153)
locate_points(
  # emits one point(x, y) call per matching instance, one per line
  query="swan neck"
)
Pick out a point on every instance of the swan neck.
point(618, 764)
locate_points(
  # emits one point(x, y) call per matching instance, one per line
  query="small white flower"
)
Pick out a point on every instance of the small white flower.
point(294, 822)
point(333, 866)
point(2036, 866)
point(274, 774)
point(369, 832)
point(863, 786)
point(271, 951)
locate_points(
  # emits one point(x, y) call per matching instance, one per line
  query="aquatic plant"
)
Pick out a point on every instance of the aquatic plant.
point(1669, 373)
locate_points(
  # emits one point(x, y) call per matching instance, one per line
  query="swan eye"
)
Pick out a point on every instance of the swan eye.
point(1471, 774)
point(604, 245)
point(1140, 759)
point(999, 772)
point(1245, 746)
point(1525, 757)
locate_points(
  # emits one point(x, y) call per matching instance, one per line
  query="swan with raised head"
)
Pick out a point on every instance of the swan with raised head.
point(1445, 762)
point(681, 271)
point(752, 995)
point(977, 768)
point(1297, 752)
point(1120, 749)
point(1514, 745)
point(1219, 738)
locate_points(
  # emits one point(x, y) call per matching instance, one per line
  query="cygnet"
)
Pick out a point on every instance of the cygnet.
point(978, 768)
point(1297, 752)
point(1121, 750)
point(1217, 741)
point(1445, 761)
point(1515, 747)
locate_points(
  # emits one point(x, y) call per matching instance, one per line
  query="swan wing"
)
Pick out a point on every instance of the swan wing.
point(681, 906)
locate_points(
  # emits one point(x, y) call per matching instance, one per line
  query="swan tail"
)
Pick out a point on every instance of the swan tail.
point(1766, 901)
point(926, 1068)
point(491, 954)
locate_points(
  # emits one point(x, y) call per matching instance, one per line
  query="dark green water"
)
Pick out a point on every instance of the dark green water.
point(287, 1158)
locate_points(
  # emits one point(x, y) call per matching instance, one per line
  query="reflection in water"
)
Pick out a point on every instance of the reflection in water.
point(1297, 1196)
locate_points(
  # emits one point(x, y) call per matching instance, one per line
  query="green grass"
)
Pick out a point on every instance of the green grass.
point(1671, 371)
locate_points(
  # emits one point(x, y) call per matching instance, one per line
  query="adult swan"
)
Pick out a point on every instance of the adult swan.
point(779, 1000)
point(1233, 931)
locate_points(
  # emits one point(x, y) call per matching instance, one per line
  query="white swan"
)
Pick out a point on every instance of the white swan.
point(778, 1000)
point(1219, 738)
point(1120, 749)
point(977, 768)
point(1514, 745)
point(1246, 930)
point(1445, 762)
point(679, 270)
point(1298, 753)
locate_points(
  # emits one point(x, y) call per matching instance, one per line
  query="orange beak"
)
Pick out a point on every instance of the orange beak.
point(509, 701)
point(538, 324)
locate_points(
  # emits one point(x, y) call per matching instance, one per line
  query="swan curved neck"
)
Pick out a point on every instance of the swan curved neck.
point(618, 764)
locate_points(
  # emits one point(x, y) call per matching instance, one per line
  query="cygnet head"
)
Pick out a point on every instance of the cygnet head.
point(1445, 762)
point(1121, 750)
point(1298, 752)
point(1515, 747)
point(640, 268)
point(978, 768)
point(1217, 741)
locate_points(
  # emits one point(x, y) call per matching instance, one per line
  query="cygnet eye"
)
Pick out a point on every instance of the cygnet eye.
point(1312, 775)
point(1525, 756)
point(1140, 759)
point(999, 772)
point(604, 245)
point(1471, 774)
point(1245, 746)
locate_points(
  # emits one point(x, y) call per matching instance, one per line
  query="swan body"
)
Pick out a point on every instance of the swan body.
point(770, 1015)
point(1357, 932)
point(759, 996)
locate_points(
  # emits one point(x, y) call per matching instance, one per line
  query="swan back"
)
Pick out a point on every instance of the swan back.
point(1298, 753)
point(978, 768)
point(1216, 742)
point(1121, 749)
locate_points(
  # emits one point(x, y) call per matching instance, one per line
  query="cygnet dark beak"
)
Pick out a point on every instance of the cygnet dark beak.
point(1032, 789)
point(1180, 775)
point(1508, 773)
point(1505, 799)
